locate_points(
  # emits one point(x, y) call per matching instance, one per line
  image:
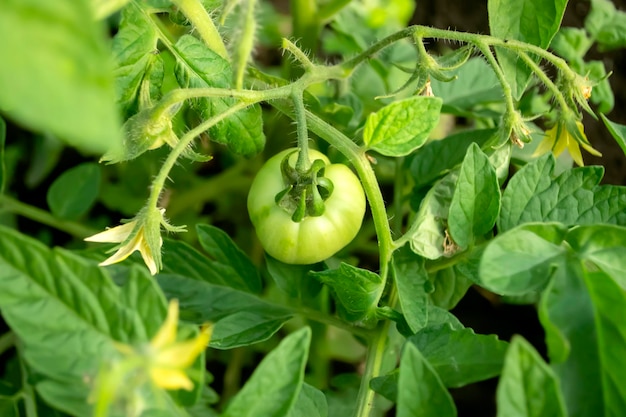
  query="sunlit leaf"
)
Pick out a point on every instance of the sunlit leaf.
point(403, 126)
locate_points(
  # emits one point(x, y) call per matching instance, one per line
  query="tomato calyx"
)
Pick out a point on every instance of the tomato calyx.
point(305, 191)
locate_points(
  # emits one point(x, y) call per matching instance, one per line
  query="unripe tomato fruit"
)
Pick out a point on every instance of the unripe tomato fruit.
point(314, 238)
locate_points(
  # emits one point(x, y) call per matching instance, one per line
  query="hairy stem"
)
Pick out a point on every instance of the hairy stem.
point(303, 163)
point(159, 181)
point(506, 88)
point(544, 79)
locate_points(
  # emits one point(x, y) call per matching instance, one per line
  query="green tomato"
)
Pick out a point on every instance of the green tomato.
point(314, 238)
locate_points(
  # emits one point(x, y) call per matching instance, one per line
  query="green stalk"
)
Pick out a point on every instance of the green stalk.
point(246, 44)
point(44, 217)
point(203, 24)
point(544, 79)
point(304, 163)
point(506, 88)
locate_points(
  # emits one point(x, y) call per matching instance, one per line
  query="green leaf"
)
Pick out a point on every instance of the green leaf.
point(311, 402)
point(75, 191)
point(134, 47)
point(571, 43)
point(229, 260)
point(475, 85)
point(582, 312)
point(181, 259)
point(276, 382)
point(68, 313)
point(356, 290)
point(532, 21)
point(3, 134)
point(402, 126)
point(438, 157)
point(572, 198)
point(427, 232)
point(604, 245)
point(528, 387)
point(458, 355)
point(239, 318)
point(243, 328)
point(476, 200)
point(56, 75)
point(420, 391)
point(199, 67)
point(521, 260)
point(412, 282)
point(617, 131)
point(609, 304)
point(606, 25)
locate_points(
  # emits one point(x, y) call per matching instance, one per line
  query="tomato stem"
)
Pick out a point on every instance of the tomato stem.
point(303, 164)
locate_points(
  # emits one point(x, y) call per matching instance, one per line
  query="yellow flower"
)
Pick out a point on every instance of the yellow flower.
point(169, 359)
point(131, 236)
point(163, 361)
point(559, 138)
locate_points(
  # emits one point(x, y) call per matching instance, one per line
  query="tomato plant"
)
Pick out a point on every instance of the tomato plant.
point(438, 238)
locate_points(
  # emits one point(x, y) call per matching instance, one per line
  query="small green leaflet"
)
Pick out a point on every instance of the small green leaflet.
point(572, 198)
point(357, 290)
point(528, 386)
point(476, 200)
point(402, 126)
